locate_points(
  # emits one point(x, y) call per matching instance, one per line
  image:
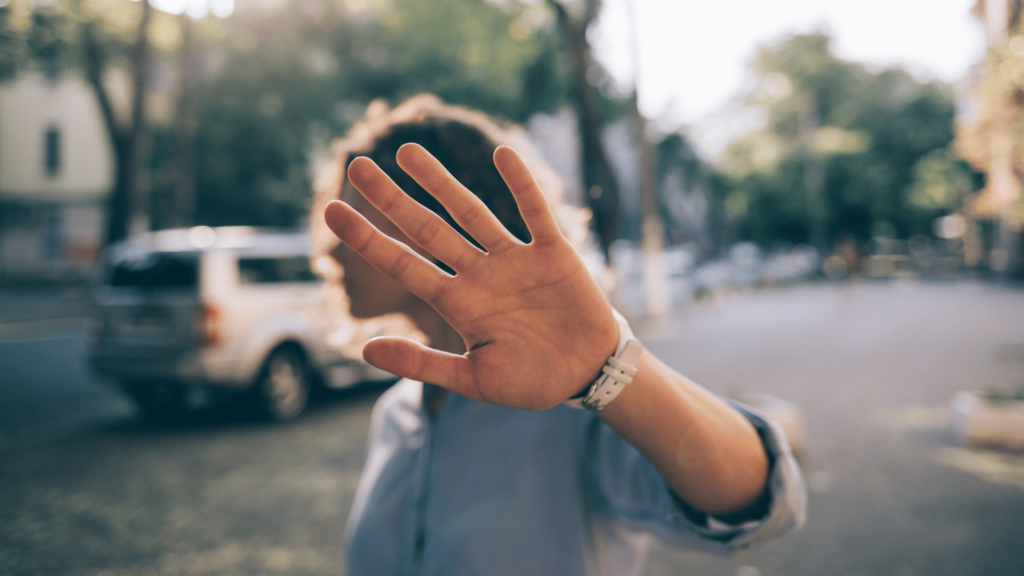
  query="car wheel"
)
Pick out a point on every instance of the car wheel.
point(283, 385)
point(160, 403)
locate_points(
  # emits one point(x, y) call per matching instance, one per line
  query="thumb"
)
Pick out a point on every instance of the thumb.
point(412, 360)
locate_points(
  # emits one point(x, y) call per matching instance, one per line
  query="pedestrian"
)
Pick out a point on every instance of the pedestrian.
point(480, 459)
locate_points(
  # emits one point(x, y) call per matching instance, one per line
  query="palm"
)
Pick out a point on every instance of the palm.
point(529, 320)
point(535, 323)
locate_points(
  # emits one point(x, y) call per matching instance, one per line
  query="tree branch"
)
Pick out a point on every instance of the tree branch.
point(92, 61)
point(600, 186)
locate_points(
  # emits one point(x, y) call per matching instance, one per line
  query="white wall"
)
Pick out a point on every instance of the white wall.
point(28, 107)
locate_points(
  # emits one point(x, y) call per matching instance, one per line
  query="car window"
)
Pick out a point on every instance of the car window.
point(157, 270)
point(274, 270)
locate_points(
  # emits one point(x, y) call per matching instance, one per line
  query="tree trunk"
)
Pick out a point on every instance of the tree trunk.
point(127, 143)
point(600, 185)
point(137, 145)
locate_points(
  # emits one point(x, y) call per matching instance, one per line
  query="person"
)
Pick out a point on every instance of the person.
point(476, 465)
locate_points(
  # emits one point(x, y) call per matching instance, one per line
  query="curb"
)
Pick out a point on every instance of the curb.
point(979, 422)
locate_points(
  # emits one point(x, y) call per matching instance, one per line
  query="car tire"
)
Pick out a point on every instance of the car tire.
point(283, 384)
point(159, 403)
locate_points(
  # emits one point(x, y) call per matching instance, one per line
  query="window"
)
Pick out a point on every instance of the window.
point(273, 270)
point(157, 270)
point(51, 152)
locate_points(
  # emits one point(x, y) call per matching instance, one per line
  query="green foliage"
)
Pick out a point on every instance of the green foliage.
point(48, 38)
point(881, 139)
point(255, 116)
point(12, 45)
point(460, 50)
point(289, 79)
point(40, 38)
point(278, 80)
point(940, 179)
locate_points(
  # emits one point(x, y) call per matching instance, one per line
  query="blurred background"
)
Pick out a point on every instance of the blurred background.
point(814, 207)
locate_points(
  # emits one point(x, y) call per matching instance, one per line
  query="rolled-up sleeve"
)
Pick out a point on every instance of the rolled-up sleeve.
point(629, 490)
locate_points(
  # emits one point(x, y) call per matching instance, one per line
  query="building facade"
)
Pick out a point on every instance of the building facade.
point(991, 130)
point(56, 170)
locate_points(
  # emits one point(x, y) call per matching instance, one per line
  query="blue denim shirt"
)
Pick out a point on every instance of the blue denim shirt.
point(489, 490)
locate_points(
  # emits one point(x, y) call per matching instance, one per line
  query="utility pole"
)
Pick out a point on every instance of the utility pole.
point(658, 301)
point(814, 173)
point(184, 190)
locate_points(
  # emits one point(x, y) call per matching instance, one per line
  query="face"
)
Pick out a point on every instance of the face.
point(371, 293)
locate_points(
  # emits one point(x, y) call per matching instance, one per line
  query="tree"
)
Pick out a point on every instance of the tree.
point(264, 89)
point(839, 152)
point(691, 195)
point(261, 112)
point(599, 182)
point(70, 35)
point(991, 138)
point(12, 44)
point(128, 141)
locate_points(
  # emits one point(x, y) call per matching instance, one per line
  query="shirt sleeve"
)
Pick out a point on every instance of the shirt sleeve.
point(628, 490)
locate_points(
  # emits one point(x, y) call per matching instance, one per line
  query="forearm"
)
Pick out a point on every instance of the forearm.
point(709, 454)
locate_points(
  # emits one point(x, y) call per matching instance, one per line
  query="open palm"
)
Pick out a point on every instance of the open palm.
point(536, 325)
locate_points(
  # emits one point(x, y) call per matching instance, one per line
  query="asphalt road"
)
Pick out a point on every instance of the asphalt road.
point(87, 489)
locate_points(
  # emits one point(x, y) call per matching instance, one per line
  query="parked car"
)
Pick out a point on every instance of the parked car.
point(191, 312)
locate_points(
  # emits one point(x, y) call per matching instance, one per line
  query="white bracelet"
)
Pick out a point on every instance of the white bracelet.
point(616, 373)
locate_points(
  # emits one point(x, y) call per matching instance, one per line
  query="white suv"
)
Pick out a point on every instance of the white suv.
point(187, 311)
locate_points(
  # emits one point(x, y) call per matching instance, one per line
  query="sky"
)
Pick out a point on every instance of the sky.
point(695, 54)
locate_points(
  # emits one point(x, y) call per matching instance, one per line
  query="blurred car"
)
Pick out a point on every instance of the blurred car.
point(195, 312)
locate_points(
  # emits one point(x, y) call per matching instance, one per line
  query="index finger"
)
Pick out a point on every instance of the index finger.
point(391, 257)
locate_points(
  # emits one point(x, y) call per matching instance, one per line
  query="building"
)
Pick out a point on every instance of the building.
point(56, 170)
point(989, 133)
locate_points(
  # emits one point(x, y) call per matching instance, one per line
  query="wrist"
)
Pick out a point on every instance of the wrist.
point(615, 375)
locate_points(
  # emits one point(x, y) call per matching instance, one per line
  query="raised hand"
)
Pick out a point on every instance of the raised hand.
point(537, 327)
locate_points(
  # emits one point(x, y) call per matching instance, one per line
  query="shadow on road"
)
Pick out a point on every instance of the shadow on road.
point(243, 412)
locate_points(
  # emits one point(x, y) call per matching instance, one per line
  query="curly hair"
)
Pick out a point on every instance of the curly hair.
point(463, 141)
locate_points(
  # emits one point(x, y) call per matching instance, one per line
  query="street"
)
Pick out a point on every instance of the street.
point(86, 488)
